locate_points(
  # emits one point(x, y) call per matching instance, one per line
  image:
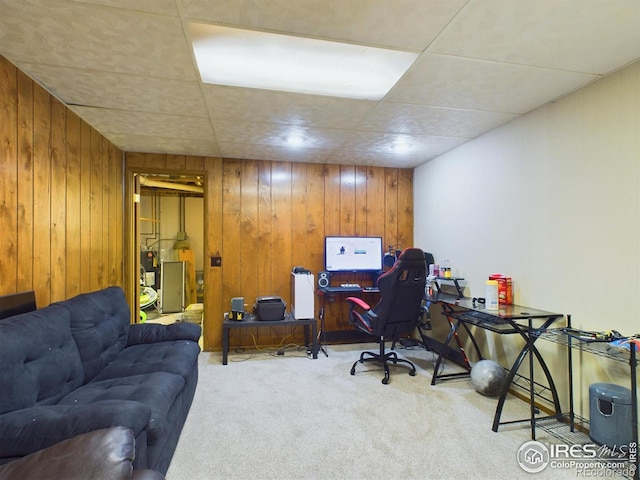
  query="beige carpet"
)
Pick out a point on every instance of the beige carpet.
point(291, 417)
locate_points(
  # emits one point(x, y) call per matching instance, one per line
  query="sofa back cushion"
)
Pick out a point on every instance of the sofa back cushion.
point(39, 361)
point(99, 325)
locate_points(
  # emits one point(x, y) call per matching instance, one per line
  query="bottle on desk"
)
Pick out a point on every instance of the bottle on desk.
point(445, 269)
point(491, 295)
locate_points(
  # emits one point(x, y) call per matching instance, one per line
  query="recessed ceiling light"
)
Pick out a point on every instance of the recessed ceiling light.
point(254, 59)
point(295, 139)
point(401, 146)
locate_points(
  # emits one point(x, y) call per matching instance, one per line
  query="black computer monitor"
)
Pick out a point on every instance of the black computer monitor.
point(17, 303)
point(352, 254)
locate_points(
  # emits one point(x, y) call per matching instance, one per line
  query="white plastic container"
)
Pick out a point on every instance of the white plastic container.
point(491, 295)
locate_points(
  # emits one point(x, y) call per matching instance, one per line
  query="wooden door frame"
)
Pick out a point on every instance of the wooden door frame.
point(132, 238)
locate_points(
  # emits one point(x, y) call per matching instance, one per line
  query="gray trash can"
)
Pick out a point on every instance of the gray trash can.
point(610, 414)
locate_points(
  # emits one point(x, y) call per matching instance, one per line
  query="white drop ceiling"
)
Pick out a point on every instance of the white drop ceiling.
point(127, 67)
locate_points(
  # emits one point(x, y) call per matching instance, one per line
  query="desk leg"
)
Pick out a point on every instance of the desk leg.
point(507, 383)
point(313, 344)
point(225, 343)
point(320, 336)
point(453, 334)
point(306, 336)
point(314, 336)
point(530, 349)
point(441, 355)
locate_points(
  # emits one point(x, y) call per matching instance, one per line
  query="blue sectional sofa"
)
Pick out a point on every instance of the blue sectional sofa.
point(79, 365)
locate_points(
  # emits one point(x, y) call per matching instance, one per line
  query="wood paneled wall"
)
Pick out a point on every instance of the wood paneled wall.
point(61, 191)
point(265, 217)
point(63, 204)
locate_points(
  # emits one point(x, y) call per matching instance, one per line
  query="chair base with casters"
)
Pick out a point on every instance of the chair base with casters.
point(383, 358)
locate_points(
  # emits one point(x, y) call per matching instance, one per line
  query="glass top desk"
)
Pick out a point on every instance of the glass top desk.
point(529, 323)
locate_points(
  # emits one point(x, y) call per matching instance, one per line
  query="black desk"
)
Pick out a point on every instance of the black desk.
point(527, 322)
point(251, 322)
point(331, 292)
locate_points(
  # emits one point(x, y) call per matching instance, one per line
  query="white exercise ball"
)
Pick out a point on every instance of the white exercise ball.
point(488, 378)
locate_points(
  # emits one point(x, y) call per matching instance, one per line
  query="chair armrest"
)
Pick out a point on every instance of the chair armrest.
point(105, 453)
point(359, 302)
point(140, 333)
point(357, 319)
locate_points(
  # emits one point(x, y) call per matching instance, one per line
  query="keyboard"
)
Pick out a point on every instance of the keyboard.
point(482, 317)
point(350, 288)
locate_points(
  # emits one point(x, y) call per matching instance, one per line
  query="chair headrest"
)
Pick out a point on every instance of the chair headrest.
point(410, 256)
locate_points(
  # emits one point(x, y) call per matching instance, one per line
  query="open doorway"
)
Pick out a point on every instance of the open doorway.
point(170, 246)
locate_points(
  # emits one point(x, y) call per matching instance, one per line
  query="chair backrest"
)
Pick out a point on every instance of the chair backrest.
point(401, 295)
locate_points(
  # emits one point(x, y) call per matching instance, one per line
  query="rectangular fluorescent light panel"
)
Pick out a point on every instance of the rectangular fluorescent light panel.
point(254, 59)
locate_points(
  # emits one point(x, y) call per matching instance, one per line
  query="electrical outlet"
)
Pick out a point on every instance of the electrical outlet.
point(216, 261)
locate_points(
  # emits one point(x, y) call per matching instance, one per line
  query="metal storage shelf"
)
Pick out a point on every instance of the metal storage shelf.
point(602, 349)
point(573, 432)
point(572, 428)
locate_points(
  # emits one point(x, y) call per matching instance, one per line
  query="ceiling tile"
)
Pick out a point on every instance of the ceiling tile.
point(579, 35)
point(355, 157)
point(275, 134)
point(445, 81)
point(145, 124)
point(424, 120)
point(383, 143)
point(162, 7)
point(119, 91)
point(273, 152)
point(253, 105)
point(104, 39)
point(405, 24)
point(159, 144)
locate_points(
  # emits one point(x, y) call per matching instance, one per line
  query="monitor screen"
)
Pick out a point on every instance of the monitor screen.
point(353, 254)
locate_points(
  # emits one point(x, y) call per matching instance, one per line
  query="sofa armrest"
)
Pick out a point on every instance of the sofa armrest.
point(106, 453)
point(140, 333)
point(31, 429)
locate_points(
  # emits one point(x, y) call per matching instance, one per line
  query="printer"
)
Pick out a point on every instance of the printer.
point(269, 308)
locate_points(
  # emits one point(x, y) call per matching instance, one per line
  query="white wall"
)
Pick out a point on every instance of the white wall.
point(551, 199)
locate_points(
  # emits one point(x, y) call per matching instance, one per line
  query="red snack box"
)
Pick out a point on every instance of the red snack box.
point(505, 288)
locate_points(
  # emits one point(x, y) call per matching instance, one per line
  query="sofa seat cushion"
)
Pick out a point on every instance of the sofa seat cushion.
point(156, 390)
point(177, 357)
point(99, 325)
point(39, 359)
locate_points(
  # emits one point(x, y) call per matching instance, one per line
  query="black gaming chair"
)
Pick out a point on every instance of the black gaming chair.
point(397, 312)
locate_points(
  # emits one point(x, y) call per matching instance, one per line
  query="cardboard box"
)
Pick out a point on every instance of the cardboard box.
point(505, 288)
